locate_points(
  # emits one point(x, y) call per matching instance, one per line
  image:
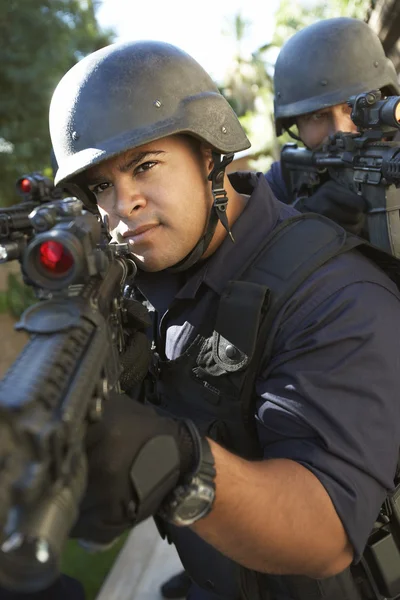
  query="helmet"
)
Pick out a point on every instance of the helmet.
point(326, 63)
point(129, 94)
point(53, 162)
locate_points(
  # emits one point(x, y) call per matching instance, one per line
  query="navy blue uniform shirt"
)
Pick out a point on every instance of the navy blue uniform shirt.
point(277, 183)
point(329, 398)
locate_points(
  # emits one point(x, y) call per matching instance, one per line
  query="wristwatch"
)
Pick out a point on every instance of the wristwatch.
point(193, 499)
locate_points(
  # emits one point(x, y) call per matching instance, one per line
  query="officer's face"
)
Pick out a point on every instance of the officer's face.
point(157, 198)
point(317, 126)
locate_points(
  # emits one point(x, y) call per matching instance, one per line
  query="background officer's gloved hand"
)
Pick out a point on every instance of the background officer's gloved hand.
point(334, 201)
point(135, 458)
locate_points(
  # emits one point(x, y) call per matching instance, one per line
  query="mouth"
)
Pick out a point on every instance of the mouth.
point(140, 233)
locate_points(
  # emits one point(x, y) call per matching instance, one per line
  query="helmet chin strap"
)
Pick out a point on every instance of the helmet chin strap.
point(293, 135)
point(217, 213)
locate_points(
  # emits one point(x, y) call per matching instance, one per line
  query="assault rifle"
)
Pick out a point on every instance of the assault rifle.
point(367, 163)
point(58, 383)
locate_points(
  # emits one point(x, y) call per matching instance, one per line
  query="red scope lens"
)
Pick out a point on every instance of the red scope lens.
point(25, 185)
point(55, 258)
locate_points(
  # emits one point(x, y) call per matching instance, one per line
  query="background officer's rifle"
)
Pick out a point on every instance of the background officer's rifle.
point(59, 381)
point(367, 163)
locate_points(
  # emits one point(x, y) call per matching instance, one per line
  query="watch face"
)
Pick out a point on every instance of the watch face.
point(193, 499)
point(194, 503)
point(192, 508)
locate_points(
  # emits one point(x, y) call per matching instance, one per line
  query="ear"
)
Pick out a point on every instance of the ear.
point(206, 153)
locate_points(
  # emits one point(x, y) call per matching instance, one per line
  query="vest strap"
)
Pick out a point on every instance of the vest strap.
point(242, 305)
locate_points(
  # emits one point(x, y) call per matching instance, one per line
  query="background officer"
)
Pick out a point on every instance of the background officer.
point(316, 72)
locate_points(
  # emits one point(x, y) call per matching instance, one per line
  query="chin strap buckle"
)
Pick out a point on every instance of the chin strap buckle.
point(217, 188)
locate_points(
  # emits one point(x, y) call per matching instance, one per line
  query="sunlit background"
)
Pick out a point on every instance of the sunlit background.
point(205, 29)
point(236, 41)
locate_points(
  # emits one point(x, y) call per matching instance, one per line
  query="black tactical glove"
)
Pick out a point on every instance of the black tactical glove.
point(334, 201)
point(135, 458)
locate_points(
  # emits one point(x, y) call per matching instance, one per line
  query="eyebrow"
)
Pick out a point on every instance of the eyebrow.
point(124, 167)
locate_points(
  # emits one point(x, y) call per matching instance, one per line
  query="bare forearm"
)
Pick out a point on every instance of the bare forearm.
point(274, 516)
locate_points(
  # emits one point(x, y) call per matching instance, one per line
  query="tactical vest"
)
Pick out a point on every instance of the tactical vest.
point(213, 383)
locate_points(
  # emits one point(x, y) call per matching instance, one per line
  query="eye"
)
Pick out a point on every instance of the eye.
point(318, 116)
point(146, 166)
point(99, 188)
point(310, 118)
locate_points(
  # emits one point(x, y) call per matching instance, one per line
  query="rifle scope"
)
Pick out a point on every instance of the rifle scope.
point(65, 250)
point(371, 111)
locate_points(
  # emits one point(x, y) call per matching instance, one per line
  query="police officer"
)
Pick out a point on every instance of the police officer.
point(316, 72)
point(262, 489)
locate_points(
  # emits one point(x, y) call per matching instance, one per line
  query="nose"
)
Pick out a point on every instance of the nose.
point(341, 121)
point(128, 198)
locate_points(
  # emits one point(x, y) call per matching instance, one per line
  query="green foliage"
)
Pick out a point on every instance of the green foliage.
point(41, 40)
point(247, 77)
point(90, 569)
point(3, 303)
point(294, 14)
point(18, 296)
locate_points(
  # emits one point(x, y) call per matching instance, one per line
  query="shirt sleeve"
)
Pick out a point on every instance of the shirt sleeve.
point(329, 398)
point(277, 184)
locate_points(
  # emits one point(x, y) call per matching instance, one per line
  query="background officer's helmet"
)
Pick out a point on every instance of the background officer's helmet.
point(326, 63)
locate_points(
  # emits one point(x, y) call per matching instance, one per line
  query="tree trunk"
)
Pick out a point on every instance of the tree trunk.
point(384, 19)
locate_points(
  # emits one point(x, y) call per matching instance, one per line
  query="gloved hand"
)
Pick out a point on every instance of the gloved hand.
point(334, 201)
point(135, 458)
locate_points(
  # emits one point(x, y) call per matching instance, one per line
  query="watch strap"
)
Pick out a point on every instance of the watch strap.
point(199, 482)
point(204, 459)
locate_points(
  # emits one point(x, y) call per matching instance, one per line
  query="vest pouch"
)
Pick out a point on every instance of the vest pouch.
point(382, 558)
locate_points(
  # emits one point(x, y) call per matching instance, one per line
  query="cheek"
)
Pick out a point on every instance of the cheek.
point(185, 205)
point(105, 202)
point(313, 134)
point(199, 209)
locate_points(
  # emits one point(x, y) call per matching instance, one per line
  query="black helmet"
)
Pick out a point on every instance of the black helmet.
point(129, 94)
point(326, 63)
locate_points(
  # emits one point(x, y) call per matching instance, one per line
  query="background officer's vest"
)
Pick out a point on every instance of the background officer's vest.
point(213, 383)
